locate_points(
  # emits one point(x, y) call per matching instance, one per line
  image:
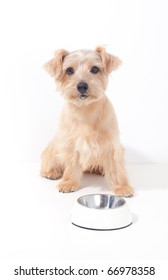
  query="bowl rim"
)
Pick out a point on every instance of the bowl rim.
point(107, 209)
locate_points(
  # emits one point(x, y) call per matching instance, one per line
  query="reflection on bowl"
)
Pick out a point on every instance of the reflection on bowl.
point(101, 201)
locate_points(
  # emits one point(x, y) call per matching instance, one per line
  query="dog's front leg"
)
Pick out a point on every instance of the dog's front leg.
point(72, 174)
point(115, 172)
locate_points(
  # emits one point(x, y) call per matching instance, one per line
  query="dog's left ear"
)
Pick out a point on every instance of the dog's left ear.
point(110, 61)
point(54, 66)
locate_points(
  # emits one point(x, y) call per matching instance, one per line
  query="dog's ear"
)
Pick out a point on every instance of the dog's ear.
point(110, 61)
point(54, 66)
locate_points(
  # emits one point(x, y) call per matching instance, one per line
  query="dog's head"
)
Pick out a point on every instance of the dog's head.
point(82, 75)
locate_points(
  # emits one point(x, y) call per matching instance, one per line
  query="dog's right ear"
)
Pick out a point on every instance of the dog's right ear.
point(110, 61)
point(54, 66)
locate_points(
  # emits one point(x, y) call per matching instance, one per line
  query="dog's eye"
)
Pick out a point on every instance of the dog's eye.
point(94, 70)
point(70, 71)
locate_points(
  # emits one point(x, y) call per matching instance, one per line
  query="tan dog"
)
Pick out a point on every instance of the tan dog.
point(88, 137)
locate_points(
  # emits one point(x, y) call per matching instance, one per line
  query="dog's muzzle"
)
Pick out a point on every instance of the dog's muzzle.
point(82, 88)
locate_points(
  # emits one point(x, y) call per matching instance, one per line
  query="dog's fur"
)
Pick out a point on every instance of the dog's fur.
point(88, 136)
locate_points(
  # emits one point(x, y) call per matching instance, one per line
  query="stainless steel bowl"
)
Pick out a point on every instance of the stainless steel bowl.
point(101, 212)
point(101, 201)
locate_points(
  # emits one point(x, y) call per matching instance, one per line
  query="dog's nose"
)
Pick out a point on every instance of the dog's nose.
point(82, 87)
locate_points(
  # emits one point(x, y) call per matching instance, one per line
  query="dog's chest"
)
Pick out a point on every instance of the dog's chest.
point(88, 146)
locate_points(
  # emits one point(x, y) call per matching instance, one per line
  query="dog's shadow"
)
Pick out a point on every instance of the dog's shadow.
point(94, 180)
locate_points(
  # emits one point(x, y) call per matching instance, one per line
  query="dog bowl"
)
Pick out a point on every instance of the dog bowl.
point(101, 212)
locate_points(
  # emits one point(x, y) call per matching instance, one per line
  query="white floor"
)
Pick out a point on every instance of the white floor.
point(36, 218)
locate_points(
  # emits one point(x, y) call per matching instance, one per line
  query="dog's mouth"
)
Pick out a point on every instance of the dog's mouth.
point(83, 95)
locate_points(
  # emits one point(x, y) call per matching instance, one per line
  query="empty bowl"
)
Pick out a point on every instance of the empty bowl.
point(101, 212)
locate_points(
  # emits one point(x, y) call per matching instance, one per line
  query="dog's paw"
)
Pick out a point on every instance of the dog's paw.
point(67, 186)
point(126, 191)
point(52, 174)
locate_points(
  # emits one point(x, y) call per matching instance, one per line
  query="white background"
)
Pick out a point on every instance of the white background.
point(35, 217)
point(136, 31)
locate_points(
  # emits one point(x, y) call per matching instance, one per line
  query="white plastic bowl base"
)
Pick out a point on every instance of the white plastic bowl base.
point(101, 212)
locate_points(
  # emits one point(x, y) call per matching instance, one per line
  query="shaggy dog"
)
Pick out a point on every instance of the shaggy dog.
point(88, 135)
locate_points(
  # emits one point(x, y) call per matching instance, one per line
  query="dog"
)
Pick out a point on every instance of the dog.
point(88, 135)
